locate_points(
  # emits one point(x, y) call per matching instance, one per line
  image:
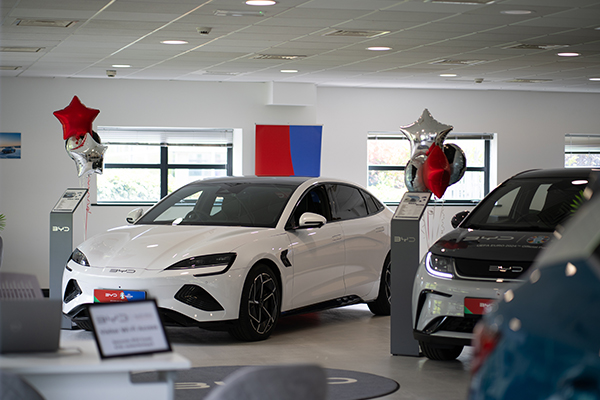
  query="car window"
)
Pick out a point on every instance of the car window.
point(314, 201)
point(225, 204)
point(373, 205)
point(348, 203)
point(527, 204)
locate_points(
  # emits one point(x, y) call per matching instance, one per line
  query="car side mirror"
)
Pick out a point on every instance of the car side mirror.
point(458, 218)
point(134, 215)
point(311, 220)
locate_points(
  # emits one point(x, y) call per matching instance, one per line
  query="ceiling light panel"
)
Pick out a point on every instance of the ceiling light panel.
point(356, 33)
point(45, 23)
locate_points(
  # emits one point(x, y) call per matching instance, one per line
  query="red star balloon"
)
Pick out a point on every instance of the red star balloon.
point(76, 118)
point(436, 171)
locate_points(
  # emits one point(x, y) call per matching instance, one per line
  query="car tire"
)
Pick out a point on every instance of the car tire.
point(260, 305)
point(439, 353)
point(383, 302)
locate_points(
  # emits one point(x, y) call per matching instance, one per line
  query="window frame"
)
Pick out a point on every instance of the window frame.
point(486, 168)
point(165, 138)
point(581, 144)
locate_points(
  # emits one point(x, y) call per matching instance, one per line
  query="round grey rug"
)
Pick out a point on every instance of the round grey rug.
point(196, 383)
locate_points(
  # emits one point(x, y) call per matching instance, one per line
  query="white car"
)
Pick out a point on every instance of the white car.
point(235, 253)
point(488, 254)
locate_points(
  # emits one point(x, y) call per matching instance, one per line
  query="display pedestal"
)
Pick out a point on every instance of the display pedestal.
point(405, 262)
point(61, 240)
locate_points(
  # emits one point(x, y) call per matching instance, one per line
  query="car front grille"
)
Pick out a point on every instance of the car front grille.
point(452, 324)
point(490, 269)
point(197, 297)
point(71, 291)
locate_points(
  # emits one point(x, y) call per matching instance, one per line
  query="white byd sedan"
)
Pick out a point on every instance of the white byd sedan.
point(235, 253)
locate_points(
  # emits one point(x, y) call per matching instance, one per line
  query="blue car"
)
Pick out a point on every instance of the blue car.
point(542, 340)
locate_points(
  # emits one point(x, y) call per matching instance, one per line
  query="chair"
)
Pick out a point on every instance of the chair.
point(280, 382)
point(13, 387)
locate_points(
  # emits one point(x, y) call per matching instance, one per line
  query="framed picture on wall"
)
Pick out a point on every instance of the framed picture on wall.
point(10, 145)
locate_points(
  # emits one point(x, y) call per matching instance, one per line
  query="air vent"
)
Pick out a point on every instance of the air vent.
point(468, 2)
point(224, 13)
point(220, 73)
point(349, 33)
point(517, 80)
point(276, 57)
point(45, 23)
point(522, 46)
point(457, 62)
point(21, 49)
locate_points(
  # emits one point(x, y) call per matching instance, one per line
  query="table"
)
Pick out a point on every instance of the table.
point(76, 371)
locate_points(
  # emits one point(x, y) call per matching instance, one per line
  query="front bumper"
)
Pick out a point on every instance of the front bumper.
point(185, 299)
point(438, 306)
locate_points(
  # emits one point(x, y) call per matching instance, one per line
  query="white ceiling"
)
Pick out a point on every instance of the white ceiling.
point(108, 32)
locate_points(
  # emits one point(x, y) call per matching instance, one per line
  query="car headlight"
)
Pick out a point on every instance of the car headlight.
point(79, 258)
point(440, 266)
point(209, 264)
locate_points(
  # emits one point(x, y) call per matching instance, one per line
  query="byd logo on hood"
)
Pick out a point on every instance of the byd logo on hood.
point(61, 229)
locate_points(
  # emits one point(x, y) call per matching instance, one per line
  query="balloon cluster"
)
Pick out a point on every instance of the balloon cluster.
point(433, 165)
point(81, 143)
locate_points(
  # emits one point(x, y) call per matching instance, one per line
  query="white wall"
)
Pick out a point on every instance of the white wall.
point(530, 128)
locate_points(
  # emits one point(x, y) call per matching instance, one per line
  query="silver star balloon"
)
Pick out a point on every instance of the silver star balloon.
point(422, 134)
point(87, 153)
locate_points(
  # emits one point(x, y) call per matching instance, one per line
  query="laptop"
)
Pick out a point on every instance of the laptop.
point(28, 321)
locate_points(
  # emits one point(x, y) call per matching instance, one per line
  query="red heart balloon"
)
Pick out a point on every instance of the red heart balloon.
point(76, 118)
point(436, 171)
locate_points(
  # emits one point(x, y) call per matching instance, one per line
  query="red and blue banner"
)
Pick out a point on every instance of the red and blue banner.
point(288, 150)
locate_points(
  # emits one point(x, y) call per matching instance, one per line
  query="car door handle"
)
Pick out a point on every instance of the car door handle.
point(379, 229)
point(337, 237)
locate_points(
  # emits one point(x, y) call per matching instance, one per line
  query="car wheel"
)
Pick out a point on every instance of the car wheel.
point(382, 304)
point(439, 353)
point(260, 305)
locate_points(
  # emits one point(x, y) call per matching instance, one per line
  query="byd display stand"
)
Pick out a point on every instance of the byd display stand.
point(61, 240)
point(405, 262)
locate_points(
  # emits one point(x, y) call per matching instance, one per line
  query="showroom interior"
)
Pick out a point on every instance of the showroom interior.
point(527, 100)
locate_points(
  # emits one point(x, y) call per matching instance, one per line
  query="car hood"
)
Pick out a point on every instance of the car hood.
point(491, 245)
point(155, 247)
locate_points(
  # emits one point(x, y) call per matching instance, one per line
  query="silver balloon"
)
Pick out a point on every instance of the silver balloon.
point(424, 132)
point(412, 178)
point(87, 152)
point(457, 160)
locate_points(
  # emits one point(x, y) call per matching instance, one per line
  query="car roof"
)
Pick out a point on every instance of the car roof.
point(555, 173)
point(285, 180)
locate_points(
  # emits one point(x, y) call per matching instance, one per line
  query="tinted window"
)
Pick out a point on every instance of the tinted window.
point(528, 204)
point(347, 202)
point(314, 201)
point(373, 205)
point(222, 204)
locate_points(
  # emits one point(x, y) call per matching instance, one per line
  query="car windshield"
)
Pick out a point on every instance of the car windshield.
point(222, 204)
point(528, 205)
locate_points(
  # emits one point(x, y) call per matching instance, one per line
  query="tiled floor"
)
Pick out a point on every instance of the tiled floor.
point(349, 338)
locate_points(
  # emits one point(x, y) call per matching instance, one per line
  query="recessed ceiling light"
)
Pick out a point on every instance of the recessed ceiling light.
point(261, 2)
point(379, 48)
point(448, 75)
point(174, 42)
point(567, 54)
point(595, 79)
point(121, 66)
point(289, 71)
point(516, 12)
